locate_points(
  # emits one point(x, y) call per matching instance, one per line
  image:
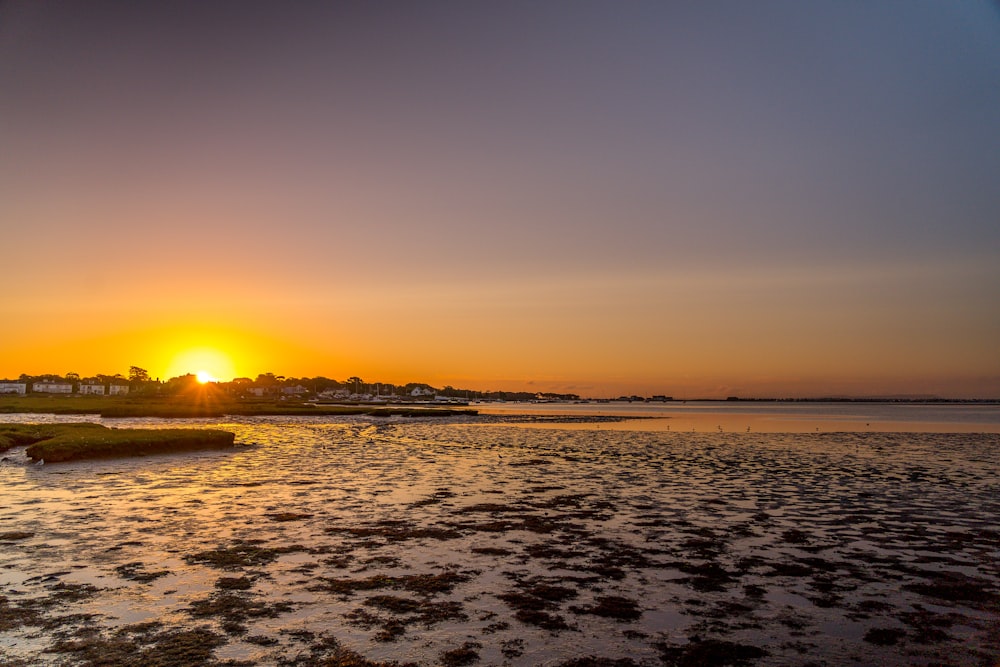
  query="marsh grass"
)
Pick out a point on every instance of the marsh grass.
point(69, 442)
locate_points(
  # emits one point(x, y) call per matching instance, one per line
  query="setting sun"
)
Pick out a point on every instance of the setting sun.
point(208, 364)
point(205, 377)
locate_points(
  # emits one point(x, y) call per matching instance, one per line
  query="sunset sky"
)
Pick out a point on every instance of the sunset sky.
point(695, 199)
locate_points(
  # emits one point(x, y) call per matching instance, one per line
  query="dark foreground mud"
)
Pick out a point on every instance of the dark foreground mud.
point(356, 543)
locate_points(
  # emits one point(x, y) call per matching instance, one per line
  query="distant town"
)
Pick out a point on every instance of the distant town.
point(351, 390)
point(265, 385)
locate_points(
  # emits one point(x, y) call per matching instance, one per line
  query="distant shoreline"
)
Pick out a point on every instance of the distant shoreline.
point(180, 408)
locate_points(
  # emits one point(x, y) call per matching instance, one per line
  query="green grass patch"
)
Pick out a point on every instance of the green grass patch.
point(68, 442)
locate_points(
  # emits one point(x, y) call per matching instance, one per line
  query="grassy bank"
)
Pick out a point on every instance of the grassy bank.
point(69, 442)
point(206, 405)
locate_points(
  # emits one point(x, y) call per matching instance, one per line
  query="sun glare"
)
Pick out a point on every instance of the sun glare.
point(207, 364)
point(205, 377)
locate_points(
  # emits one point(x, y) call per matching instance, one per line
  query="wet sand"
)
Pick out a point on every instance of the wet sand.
point(357, 541)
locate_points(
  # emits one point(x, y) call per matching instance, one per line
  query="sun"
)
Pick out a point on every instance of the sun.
point(206, 363)
point(204, 377)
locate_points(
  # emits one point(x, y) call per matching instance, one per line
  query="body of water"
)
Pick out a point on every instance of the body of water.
point(510, 539)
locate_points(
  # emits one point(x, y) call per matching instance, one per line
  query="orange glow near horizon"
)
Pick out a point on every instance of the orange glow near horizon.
point(608, 337)
point(208, 363)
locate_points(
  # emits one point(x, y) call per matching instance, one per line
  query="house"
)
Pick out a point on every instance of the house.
point(118, 389)
point(297, 390)
point(91, 389)
point(422, 391)
point(52, 388)
point(13, 388)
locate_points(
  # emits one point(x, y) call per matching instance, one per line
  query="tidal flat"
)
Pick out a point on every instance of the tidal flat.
point(482, 540)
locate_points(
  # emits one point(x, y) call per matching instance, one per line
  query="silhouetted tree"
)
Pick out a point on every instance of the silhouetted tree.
point(138, 375)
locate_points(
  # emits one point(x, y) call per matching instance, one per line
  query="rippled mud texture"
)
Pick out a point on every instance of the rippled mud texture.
point(363, 542)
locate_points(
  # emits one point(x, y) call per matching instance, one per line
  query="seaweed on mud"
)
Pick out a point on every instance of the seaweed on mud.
point(956, 587)
point(884, 636)
point(168, 648)
point(706, 548)
point(63, 593)
point(328, 652)
point(261, 640)
point(542, 619)
point(709, 653)
point(527, 522)
point(15, 535)
point(593, 661)
point(398, 531)
point(512, 648)
point(350, 586)
point(929, 627)
point(463, 655)
point(136, 572)
point(390, 628)
point(238, 555)
point(234, 583)
point(340, 561)
point(489, 508)
point(282, 517)
point(612, 606)
point(498, 626)
point(788, 570)
point(422, 612)
point(565, 500)
point(727, 609)
point(433, 499)
point(491, 551)
point(535, 599)
point(547, 550)
point(795, 536)
point(14, 617)
point(865, 608)
point(707, 577)
point(395, 604)
point(424, 584)
point(234, 609)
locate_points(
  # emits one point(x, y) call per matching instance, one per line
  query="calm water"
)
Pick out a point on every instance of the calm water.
point(516, 540)
point(777, 417)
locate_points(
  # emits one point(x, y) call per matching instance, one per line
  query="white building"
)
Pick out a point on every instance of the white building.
point(92, 389)
point(119, 389)
point(52, 388)
point(13, 388)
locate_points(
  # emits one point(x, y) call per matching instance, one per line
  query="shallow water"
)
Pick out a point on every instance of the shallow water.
point(404, 540)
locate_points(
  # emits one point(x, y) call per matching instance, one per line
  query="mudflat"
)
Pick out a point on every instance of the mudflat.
point(485, 541)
